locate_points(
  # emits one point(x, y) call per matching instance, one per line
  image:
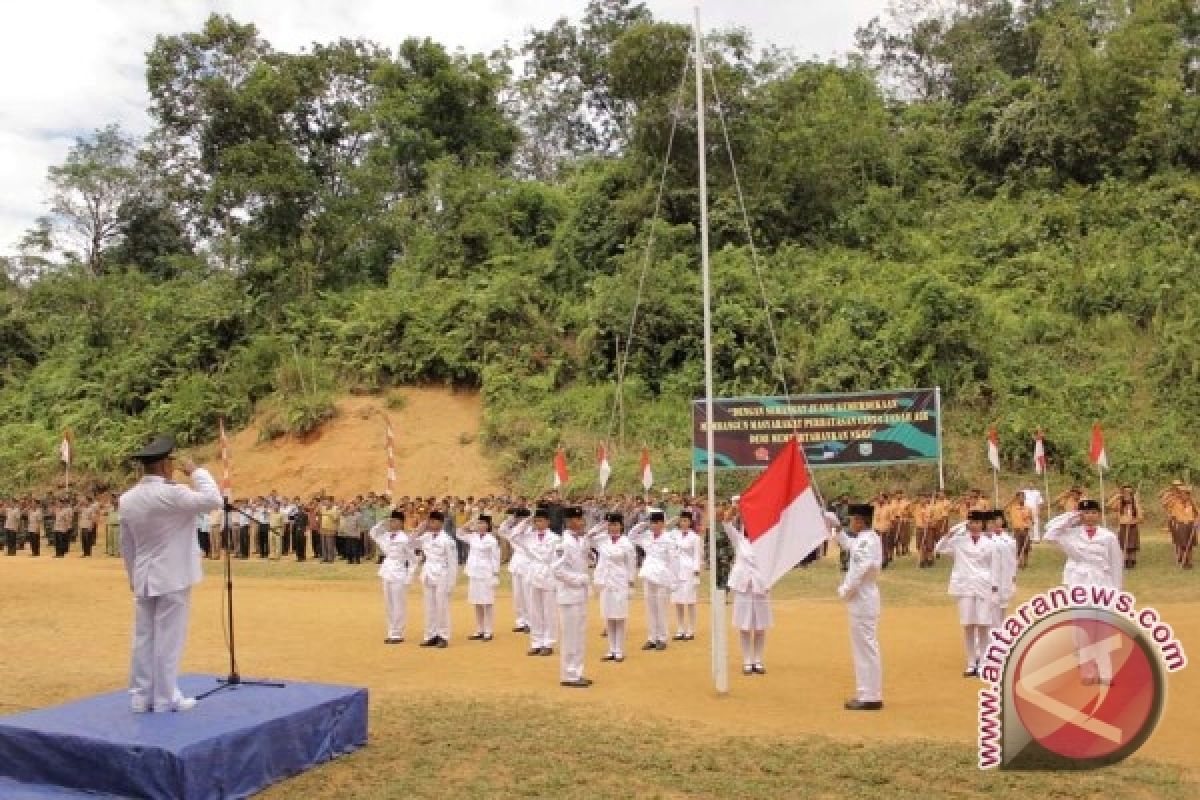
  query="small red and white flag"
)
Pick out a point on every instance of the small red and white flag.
point(560, 469)
point(66, 448)
point(647, 473)
point(994, 449)
point(605, 469)
point(391, 454)
point(1039, 454)
point(1099, 454)
point(782, 516)
point(224, 440)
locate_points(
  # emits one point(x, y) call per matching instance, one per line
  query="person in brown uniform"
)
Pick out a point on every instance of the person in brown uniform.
point(1070, 499)
point(64, 515)
point(1128, 508)
point(88, 512)
point(1181, 510)
point(883, 526)
point(1020, 517)
point(902, 521)
point(922, 513)
point(34, 520)
point(12, 525)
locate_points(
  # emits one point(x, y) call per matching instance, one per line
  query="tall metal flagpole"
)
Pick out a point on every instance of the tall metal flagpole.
point(717, 596)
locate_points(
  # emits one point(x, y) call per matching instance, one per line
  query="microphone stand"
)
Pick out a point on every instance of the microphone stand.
point(233, 680)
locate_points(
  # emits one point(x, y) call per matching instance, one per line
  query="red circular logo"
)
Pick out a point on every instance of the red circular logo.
point(1087, 688)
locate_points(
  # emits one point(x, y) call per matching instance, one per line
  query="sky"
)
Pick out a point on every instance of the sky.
point(72, 66)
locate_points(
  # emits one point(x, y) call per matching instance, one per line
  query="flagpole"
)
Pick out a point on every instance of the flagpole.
point(937, 402)
point(716, 595)
point(1103, 499)
point(996, 485)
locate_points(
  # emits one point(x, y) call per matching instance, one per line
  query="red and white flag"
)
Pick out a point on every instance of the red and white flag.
point(605, 469)
point(647, 473)
point(391, 455)
point(224, 440)
point(994, 449)
point(1099, 454)
point(782, 516)
point(66, 448)
point(560, 469)
point(1039, 454)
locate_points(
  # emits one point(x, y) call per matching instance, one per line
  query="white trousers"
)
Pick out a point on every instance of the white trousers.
point(437, 612)
point(159, 633)
point(574, 634)
point(520, 593)
point(868, 664)
point(484, 618)
point(614, 630)
point(658, 598)
point(395, 604)
point(543, 617)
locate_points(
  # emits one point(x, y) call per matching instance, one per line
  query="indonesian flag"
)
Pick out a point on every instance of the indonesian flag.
point(605, 468)
point(782, 516)
point(1039, 454)
point(391, 454)
point(224, 440)
point(1099, 454)
point(66, 448)
point(647, 473)
point(994, 449)
point(560, 469)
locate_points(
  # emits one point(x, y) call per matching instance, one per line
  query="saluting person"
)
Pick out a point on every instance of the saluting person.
point(483, 573)
point(395, 572)
point(540, 546)
point(570, 570)
point(518, 569)
point(691, 554)
point(616, 566)
point(974, 583)
point(659, 573)
point(1128, 508)
point(438, 575)
point(861, 593)
point(751, 599)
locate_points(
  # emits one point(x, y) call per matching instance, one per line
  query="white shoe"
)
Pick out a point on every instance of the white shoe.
point(138, 705)
point(184, 704)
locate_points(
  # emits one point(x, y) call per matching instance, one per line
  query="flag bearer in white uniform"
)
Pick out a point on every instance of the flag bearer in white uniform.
point(571, 572)
point(616, 567)
point(659, 573)
point(1094, 558)
point(1006, 550)
point(438, 574)
point(974, 582)
point(859, 590)
point(396, 572)
point(162, 560)
point(691, 554)
point(540, 545)
point(518, 569)
point(751, 601)
point(483, 574)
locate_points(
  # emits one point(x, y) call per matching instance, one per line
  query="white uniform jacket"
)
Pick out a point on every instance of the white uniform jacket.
point(440, 569)
point(399, 561)
point(616, 561)
point(571, 570)
point(859, 588)
point(1091, 560)
point(661, 564)
point(976, 564)
point(158, 532)
point(540, 552)
point(744, 576)
point(483, 560)
point(691, 554)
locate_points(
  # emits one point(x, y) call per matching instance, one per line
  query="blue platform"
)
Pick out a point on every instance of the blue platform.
point(233, 744)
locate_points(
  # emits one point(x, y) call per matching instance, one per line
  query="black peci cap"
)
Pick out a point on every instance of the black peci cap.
point(978, 516)
point(159, 448)
point(398, 514)
point(573, 512)
point(615, 517)
point(864, 510)
point(1089, 505)
point(439, 516)
point(685, 515)
point(521, 513)
point(658, 516)
point(541, 513)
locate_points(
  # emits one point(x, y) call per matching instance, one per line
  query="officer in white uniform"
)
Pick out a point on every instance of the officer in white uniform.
point(483, 575)
point(395, 571)
point(616, 567)
point(752, 614)
point(659, 574)
point(1006, 550)
point(1094, 558)
point(974, 583)
point(571, 572)
point(540, 545)
point(683, 597)
point(438, 575)
point(518, 569)
point(162, 560)
point(861, 594)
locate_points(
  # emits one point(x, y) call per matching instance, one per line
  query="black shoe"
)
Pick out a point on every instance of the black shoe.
point(759, 669)
point(521, 629)
point(971, 673)
point(609, 657)
point(747, 669)
point(649, 646)
point(679, 637)
point(442, 643)
point(582, 683)
point(689, 637)
point(546, 651)
point(392, 640)
point(618, 659)
point(863, 705)
point(660, 645)
point(533, 651)
point(475, 637)
point(431, 642)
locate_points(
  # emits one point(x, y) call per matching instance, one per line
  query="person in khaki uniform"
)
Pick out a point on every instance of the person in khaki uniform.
point(1128, 508)
point(883, 524)
point(64, 515)
point(34, 520)
point(902, 521)
point(12, 526)
point(922, 517)
point(1070, 499)
point(1182, 514)
point(88, 512)
point(1020, 516)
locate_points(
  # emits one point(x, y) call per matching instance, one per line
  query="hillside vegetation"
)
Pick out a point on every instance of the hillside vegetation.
point(1003, 200)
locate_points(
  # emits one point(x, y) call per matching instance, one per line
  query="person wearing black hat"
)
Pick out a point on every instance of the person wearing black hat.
point(616, 566)
point(396, 572)
point(162, 560)
point(438, 575)
point(540, 547)
point(1094, 558)
point(861, 593)
point(659, 574)
point(571, 573)
point(691, 553)
point(518, 569)
point(974, 583)
point(1006, 552)
point(1128, 507)
point(483, 573)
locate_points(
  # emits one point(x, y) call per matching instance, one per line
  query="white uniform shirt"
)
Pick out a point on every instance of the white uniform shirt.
point(483, 561)
point(441, 560)
point(616, 560)
point(518, 564)
point(691, 553)
point(744, 575)
point(540, 551)
point(398, 558)
point(1006, 548)
point(571, 570)
point(859, 588)
point(661, 564)
point(976, 564)
point(1091, 560)
point(158, 532)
